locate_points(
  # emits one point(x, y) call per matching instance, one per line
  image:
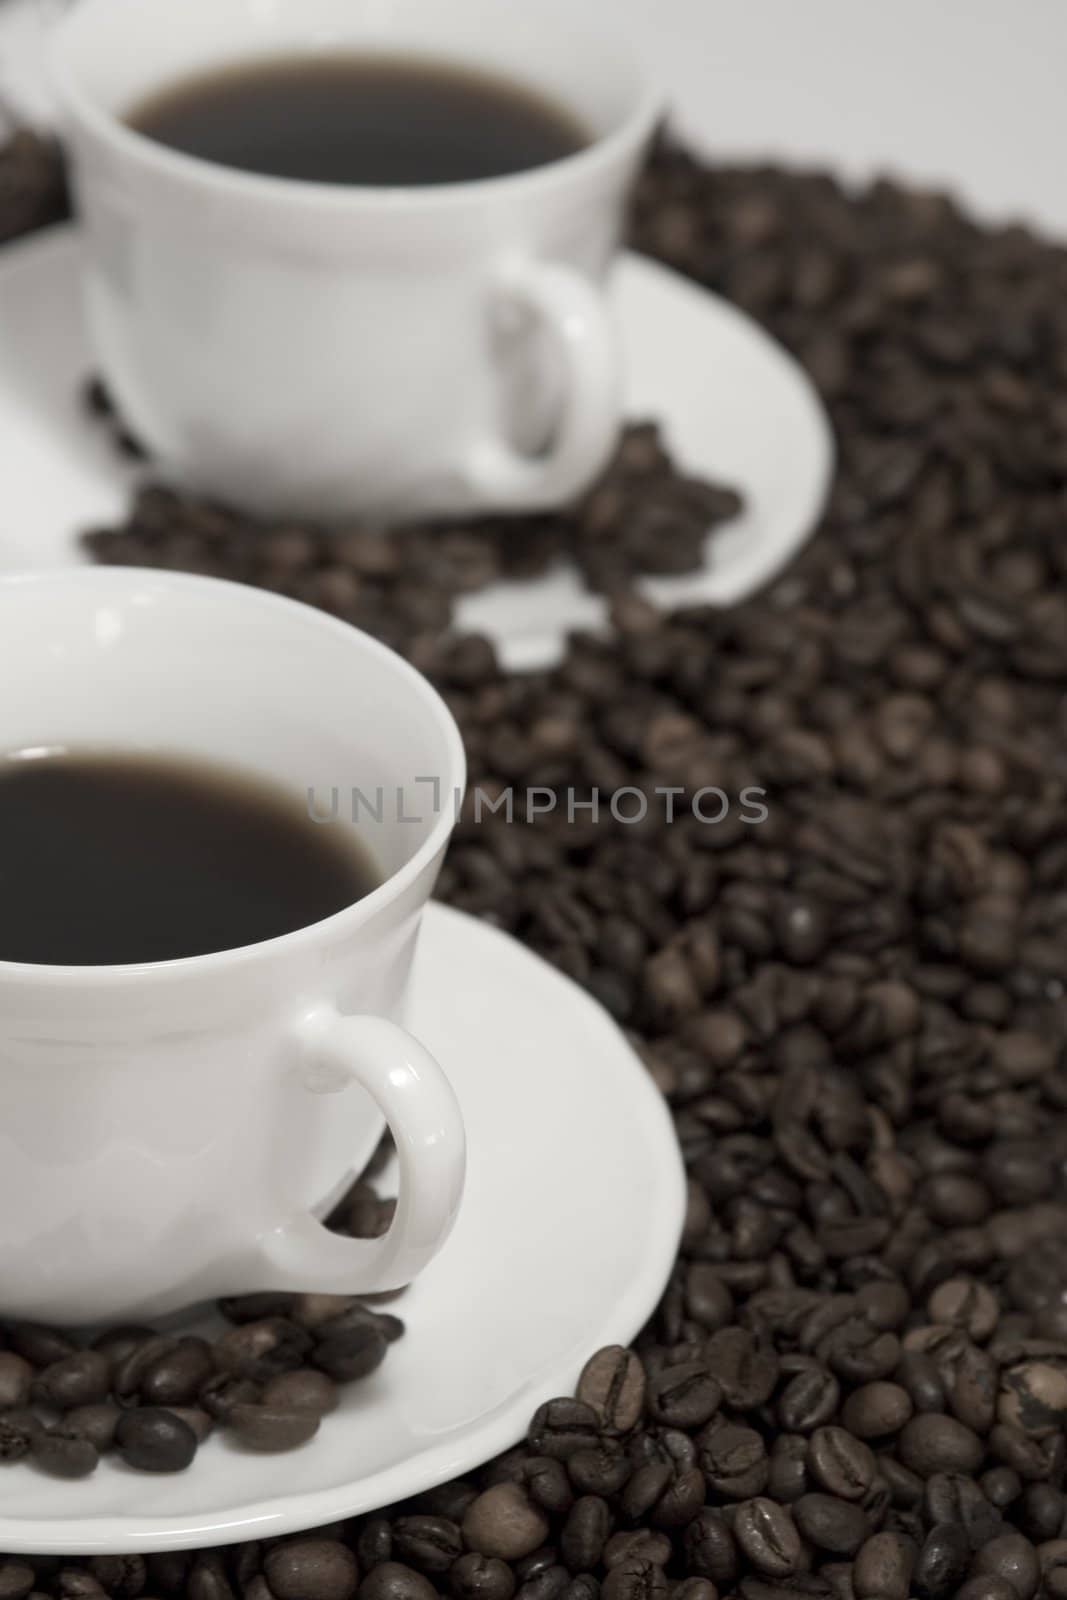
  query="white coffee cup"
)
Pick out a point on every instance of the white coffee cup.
point(302, 348)
point(171, 1132)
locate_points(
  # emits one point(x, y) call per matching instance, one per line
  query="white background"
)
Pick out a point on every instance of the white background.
point(968, 94)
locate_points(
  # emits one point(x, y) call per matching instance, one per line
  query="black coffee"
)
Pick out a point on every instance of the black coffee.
point(113, 858)
point(376, 121)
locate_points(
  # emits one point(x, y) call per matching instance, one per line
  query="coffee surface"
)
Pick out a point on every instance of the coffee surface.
point(377, 121)
point(111, 858)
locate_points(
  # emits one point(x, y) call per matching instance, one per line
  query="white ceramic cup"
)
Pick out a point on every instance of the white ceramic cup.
point(171, 1132)
point(301, 348)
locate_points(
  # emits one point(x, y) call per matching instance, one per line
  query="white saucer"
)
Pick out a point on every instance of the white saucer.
point(569, 1227)
point(734, 407)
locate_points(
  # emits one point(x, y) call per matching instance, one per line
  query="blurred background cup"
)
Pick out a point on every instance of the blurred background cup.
point(295, 347)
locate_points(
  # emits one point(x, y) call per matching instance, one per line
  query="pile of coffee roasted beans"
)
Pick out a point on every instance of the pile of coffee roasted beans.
point(855, 1387)
point(151, 1398)
point(644, 516)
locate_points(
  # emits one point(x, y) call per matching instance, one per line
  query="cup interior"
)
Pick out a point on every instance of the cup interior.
point(114, 52)
point(141, 661)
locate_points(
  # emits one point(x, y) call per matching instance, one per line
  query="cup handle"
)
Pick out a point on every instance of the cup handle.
point(424, 1117)
point(574, 310)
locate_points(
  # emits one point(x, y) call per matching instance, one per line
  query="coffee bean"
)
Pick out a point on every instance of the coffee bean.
point(16, 1375)
point(943, 1561)
point(259, 1350)
point(1053, 1558)
point(1013, 1559)
point(642, 1544)
point(884, 1567)
point(768, 1537)
point(745, 1370)
point(176, 1377)
point(302, 1390)
point(81, 1379)
point(155, 1440)
point(63, 1453)
point(585, 1533)
point(18, 1429)
point(429, 1543)
point(985, 1587)
point(876, 1410)
point(1034, 1397)
point(965, 1304)
point(16, 1579)
point(733, 1459)
point(270, 1428)
point(809, 1400)
point(313, 1569)
point(97, 1423)
point(504, 1522)
point(39, 1345)
point(683, 1395)
point(476, 1577)
point(930, 1444)
point(222, 1394)
point(634, 1580)
point(831, 1524)
point(841, 1464)
point(612, 1383)
point(560, 1428)
point(123, 1577)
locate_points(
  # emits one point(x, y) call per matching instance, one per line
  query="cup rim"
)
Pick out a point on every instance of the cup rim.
point(219, 962)
point(353, 199)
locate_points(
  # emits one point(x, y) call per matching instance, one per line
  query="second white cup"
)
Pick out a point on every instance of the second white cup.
point(297, 348)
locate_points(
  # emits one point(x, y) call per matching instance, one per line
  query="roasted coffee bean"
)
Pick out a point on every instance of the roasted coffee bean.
point(1012, 1558)
point(787, 1474)
point(585, 1533)
point(429, 1543)
point(504, 1522)
point(313, 1569)
point(478, 1577)
point(130, 1367)
point(930, 1444)
point(603, 1469)
point(634, 1580)
point(352, 1353)
point(884, 1567)
point(63, 1453)
point(39, 1345)
point(260, 1350)
point(733, 1459)
point(745, 1370)
point(392, 1581)
point(876, 1410)
point(81, 1379)
point(644, 1544)
point(612, 1383)
point(683, 1395)
point(16, 1579)
point(18, 1430)
point(97, 1423)
point(943, 1561)
point(221, 1394)
point(16, 1375)
point(841, 1464)
point(965, 1304)
point(828, 1523)
point(768, 1537)
point(302, 1390)
point(809, 1400)
point(175, 1378)
point(711, 1550)
point(270, 1428)
point(560, 1428)
point(155, 1440)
